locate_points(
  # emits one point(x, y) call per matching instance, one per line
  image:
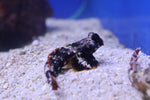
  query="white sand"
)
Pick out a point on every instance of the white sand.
point(22, 70)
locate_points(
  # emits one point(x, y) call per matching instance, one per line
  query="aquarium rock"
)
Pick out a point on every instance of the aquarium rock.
point(21, 20)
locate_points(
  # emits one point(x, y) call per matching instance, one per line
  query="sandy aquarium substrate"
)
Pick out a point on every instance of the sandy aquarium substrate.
point(22, 70)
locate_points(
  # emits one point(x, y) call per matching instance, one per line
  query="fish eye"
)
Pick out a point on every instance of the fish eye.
point(97, 39)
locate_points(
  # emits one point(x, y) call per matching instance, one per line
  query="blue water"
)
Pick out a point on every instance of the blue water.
point(132, 32)
point(129, 20)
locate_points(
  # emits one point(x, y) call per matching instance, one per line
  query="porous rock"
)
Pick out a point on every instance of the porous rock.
point(20, 20)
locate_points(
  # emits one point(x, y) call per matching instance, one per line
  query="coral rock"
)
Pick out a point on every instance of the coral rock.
point(20, 20)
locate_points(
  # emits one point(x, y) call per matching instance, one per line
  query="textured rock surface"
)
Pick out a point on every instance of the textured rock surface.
point(20, 20)
point(22, 73)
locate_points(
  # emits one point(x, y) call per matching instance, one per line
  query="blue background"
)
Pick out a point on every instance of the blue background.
point(129, 20)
